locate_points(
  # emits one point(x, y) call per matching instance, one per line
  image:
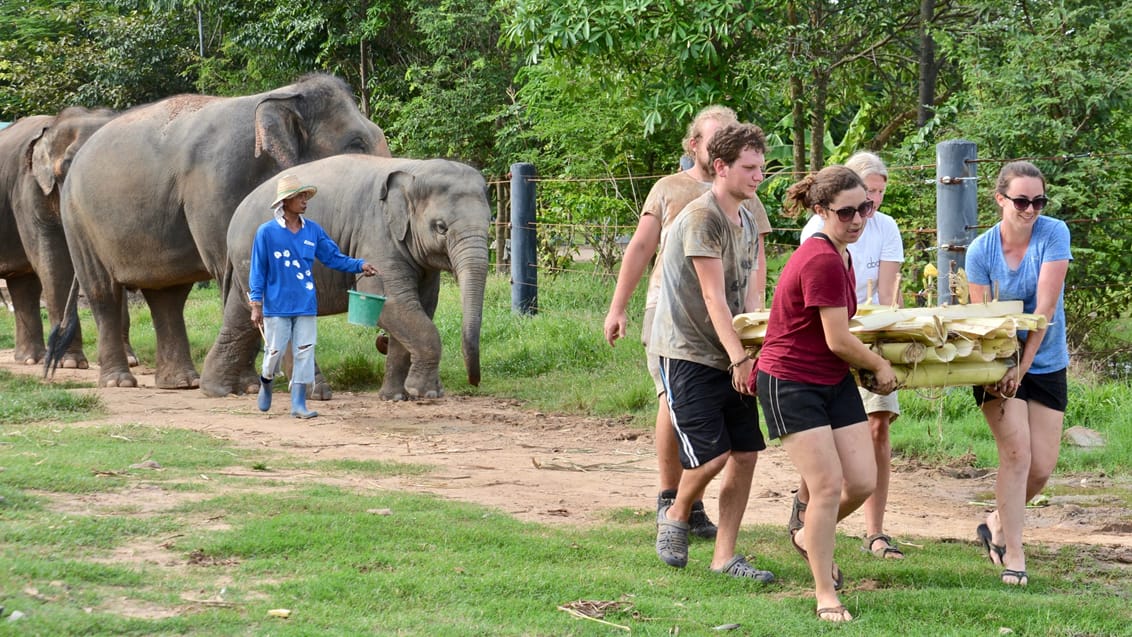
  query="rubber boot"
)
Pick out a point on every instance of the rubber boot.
point(263, 401)
point(299, 402)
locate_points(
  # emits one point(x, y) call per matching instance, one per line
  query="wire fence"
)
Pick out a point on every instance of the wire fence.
point(578, 236)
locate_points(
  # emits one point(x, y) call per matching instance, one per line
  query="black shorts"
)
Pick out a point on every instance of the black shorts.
point(709, 416)
point(1050, 390)
point(791, 407)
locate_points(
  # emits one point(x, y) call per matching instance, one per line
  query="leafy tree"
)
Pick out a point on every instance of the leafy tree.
point(1049, 79)
point(55, 54)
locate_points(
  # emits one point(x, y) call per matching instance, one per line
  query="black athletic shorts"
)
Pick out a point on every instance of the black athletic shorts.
point(1051, 390)
point(791, 407)
point(709, 416)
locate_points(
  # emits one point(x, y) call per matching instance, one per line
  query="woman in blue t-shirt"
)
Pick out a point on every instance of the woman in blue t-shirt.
point(1025, 257)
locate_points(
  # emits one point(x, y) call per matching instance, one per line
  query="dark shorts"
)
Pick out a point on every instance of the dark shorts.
point(791, 407)
point(1051, 390)
point(709, 416)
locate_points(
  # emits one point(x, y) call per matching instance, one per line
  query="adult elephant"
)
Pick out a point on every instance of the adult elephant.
point(35, 157)
point(410, 218)
point(149, 197)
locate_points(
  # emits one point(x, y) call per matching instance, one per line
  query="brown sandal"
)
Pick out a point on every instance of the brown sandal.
point(838, 611)
point(889, 549)
point(838, 576)
point(796, 510)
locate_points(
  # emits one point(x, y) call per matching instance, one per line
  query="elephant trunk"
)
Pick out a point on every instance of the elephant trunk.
point(469, 265)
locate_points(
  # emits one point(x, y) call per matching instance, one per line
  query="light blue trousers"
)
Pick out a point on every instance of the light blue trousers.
point(301, 332)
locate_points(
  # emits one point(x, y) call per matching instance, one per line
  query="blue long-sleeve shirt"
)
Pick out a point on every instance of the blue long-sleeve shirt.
point(281, 274)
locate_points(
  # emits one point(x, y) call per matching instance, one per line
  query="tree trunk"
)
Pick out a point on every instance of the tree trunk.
point(928, 67)
point(797, 93)
point(362, 77)
point(817, 120)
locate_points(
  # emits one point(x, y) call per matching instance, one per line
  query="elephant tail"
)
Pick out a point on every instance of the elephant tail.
point(226, 282)
point(62, 334)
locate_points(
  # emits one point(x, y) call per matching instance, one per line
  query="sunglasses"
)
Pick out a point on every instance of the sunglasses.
point(846, 214)
point(1021, 203)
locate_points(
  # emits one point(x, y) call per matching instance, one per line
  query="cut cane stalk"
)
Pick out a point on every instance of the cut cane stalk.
point(905, 353)
point(942, 375)
point(943, 354)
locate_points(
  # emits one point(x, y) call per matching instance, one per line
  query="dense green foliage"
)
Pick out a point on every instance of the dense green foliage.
point(604, 88)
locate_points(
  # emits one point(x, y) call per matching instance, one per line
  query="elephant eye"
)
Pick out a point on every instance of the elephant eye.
point(440, 227)
point(358, 145)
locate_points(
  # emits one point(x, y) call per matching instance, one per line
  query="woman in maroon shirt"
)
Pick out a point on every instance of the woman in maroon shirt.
point(803, 380)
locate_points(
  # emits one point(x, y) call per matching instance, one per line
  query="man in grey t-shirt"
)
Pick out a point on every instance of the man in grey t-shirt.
point(707, 263)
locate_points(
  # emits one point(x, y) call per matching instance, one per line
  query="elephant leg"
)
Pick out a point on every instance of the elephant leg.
point(412, 369)
point(26, 290)
point(56, 289)
point(423, 380)
point(106, 306)
point(229, 367)
point(320, 389)
point(131, 357)
point(174, 362)
point(396, 369)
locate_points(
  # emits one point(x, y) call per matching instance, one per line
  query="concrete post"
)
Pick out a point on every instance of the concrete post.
point(524, 240)
point(956, 209)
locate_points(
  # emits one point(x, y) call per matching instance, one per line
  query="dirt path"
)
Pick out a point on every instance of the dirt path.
point(558, 469)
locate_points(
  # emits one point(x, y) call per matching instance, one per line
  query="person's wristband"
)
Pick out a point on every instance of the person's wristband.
point(255, 303)
point(737, 363)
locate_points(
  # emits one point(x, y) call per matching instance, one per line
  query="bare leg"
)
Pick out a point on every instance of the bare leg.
point(692, 485)
point(839, 468)
point(667, 453)
point(1028, 436)
point(1008, 423)
point(734, 492)
point(874, 507)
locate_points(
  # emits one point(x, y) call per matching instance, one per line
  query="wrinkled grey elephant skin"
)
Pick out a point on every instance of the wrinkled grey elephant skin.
point(149, 197)
point(412, 219)
point(35, 156)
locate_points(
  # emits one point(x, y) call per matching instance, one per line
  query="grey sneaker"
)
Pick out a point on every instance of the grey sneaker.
point(701, 525)
point(738, 566)
point(671, 540)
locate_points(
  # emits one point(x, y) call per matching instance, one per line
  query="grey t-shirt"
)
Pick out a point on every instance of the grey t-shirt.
point(682, 328)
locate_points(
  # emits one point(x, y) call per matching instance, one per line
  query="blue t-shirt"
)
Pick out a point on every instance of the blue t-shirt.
point(282, 261)
point(985, 264)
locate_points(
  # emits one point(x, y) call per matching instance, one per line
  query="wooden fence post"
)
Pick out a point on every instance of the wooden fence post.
point(502, 223)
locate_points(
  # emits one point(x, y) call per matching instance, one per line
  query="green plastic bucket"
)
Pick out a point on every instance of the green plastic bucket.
point(364, 308)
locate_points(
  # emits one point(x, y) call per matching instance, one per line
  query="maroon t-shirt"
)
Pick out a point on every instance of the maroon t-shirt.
point(794, 348)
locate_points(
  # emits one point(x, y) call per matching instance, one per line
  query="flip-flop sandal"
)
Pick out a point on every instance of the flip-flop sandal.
point(838, 576)
point(984, 533)
point(839, 611)
point(1020, 577)
point(889, 549)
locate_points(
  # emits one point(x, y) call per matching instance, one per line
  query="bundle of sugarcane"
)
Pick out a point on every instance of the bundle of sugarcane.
point(944, 346)
point(972, 344)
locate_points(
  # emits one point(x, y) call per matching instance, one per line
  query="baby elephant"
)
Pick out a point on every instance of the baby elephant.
point(410, 218)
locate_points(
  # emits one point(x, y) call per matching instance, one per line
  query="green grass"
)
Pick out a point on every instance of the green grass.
point(211, 557)
point(28, 399)
point(226, 538)
point(558, 361)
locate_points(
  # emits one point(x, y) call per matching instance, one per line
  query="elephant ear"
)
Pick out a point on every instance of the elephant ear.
point(398, 203)
point(279, 128)
point(40, 162)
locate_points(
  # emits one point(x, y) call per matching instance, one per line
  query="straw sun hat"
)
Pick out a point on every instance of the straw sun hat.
point(289, 186)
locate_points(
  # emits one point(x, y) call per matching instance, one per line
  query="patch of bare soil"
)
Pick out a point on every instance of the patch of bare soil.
point(558, 469)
